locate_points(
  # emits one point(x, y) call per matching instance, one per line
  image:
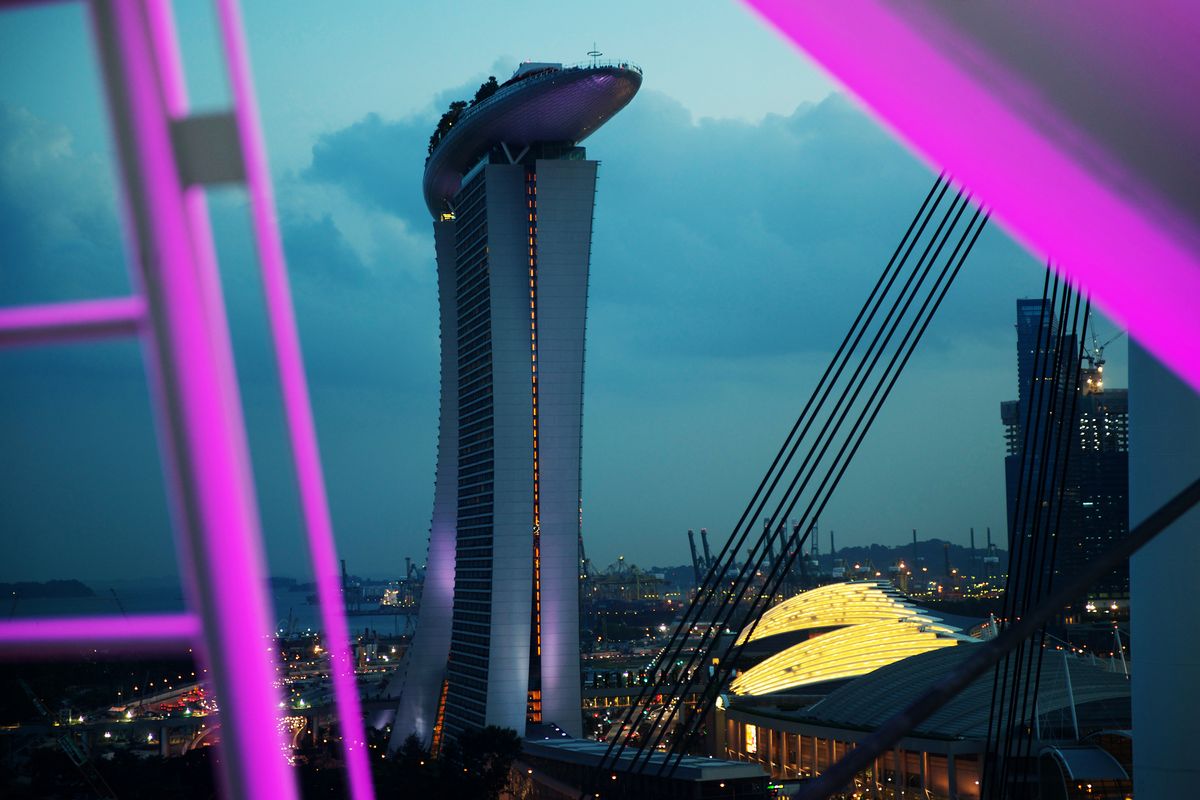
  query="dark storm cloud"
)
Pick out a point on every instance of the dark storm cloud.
point(728, 257)
point(57, 216)
point(713, 238)
point(756, 238)
point(82, 491)
point(378, 163)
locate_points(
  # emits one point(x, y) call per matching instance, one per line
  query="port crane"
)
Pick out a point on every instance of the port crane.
point(1095, 356)
point(74, 752)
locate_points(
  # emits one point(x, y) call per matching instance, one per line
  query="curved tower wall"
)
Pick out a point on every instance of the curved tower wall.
point(502, 634)
point(566, 193)
point(425, 664)
point(498, 556)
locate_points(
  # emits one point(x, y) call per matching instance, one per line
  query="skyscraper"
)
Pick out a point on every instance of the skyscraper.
point(1095, 491)
point(512, 196)
point(1098, 515)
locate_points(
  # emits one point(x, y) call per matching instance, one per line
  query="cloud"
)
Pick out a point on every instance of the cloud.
point(728, 257)
point(732, 237)
point(714, 238)
point(58, 221)
point(378, 163)
point(76, 418)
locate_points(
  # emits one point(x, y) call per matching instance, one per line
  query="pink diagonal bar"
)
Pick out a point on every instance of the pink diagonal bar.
point(294, 385)
point(83, 319)
point(70, 636)
point(1055, 184)
point(200, 413)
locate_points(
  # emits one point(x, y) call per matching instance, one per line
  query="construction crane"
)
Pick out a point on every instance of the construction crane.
point(695, 558)
point(117, 600)
point(585, 565)
point(74, 752)
point(1095, 356)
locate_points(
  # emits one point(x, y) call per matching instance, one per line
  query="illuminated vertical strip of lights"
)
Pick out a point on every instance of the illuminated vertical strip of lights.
point(435, 746)
point(534, 713)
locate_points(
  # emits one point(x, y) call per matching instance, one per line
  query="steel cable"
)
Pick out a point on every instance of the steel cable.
point(717, 575)
point(751, 567)
point(865, 421)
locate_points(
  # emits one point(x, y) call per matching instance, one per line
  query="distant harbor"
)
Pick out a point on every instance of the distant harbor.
point(293, 610)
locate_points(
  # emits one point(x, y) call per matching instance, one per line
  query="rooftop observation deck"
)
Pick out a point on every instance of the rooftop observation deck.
point(551, 104)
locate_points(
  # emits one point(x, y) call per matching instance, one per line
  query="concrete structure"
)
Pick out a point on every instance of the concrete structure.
point(511, 193)
point(1164, 458)
point(559, 766)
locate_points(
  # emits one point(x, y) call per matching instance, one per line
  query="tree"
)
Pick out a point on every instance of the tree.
point(488, 755)
point(486, 90)
point(476, 764)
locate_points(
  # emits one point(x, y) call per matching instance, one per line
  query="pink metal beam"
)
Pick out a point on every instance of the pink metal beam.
point(213, 493)
point(56, 322)
point(994, 101)
point(70, 636)
point(298, 406)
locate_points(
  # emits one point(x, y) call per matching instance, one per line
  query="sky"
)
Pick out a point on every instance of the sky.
point(745, 206)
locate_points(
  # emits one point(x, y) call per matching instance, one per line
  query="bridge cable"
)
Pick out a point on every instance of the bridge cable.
point(723, 617)
point(752, 566)
point(894, 369)
point(714, 575)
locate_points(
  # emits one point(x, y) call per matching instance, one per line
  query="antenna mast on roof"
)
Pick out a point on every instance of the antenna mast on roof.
point(594, 54)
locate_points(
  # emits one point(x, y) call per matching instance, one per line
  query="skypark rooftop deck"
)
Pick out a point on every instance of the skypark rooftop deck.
point(552, 104)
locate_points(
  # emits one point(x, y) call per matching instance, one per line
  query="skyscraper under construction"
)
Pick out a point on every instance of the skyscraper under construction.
point(1095, 468)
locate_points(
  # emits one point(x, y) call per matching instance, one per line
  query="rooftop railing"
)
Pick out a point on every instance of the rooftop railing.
point(534, 78)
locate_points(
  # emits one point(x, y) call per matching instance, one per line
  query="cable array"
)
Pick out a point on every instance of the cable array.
point(1047, 441)
point(735, 593)
point(986, 656)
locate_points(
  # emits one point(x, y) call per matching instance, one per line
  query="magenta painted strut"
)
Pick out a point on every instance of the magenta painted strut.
point(90, 319)
point(36, 638)
point(1095, 193)
point(214, 492)
point(298, 407)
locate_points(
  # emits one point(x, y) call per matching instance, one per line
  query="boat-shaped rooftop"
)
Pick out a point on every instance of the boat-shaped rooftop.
point(540, 103)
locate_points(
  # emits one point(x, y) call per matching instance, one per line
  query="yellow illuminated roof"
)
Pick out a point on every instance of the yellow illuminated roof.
point(836, 605)
point(846, 653)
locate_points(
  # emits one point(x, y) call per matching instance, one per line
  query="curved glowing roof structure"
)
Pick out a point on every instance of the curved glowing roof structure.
point(559, 104)
point(846, 653)
point(868, 701)
point(836, 605)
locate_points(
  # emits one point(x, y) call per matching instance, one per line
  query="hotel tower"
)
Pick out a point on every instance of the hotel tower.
point(512, 197)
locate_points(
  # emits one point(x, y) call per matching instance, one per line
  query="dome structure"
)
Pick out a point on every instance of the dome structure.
point(836, 605)
point(846, 653)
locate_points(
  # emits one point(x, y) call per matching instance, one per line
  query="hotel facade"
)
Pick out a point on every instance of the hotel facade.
point(512, 197)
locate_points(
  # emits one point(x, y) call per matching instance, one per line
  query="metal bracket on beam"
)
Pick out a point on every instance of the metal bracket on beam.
point(208, 149)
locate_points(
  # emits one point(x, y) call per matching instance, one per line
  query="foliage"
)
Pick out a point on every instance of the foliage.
point(485, 90)
point(475, 765)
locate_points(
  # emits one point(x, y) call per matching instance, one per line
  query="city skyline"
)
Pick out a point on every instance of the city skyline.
point(304, 372)
point(676, 342)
